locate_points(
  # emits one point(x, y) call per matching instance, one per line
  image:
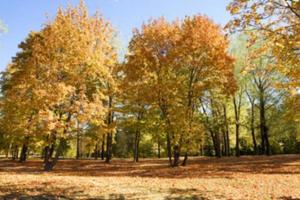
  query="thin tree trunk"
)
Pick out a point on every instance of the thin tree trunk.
point(184, 162)
point(109, 134)
point(96, 151)
point(158, 147)
point(263, 127)
point(24, 150)
point(252, 125)
point(78, 145)
point(218, 146)
point(227, 152)
point(108, 147)
point(102, 148)
point(268, 150)
point(237, 108)
point(253, 130)
point(169, 149)
point(136, 146)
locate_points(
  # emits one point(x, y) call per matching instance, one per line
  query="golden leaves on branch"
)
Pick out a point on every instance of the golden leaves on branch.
point(171, 64)
point(61, 74)
point(275, 22)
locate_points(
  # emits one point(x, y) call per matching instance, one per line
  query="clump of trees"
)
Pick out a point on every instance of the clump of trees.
point(182, 89)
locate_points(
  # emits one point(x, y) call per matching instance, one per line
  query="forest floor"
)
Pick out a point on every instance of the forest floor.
point(247, 177)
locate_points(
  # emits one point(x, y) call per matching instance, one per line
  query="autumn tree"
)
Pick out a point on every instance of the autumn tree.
point(20, 102)
point(205, 64)
point(174, 64)
point(68, 70)
point(278, 22)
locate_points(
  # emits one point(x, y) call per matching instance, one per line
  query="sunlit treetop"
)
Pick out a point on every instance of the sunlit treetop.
point(278, 22)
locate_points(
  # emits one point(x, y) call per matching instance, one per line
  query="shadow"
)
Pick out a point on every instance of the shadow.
point(289, 198)
point(40, 191)
point(19, 196)
point(198, 167)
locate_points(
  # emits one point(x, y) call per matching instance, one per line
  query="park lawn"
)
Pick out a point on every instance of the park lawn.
point(247, 177)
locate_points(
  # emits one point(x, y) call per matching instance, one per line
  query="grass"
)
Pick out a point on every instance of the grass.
point(248, 177)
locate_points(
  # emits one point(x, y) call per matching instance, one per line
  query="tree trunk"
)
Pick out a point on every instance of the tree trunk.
point(108, 147)
point(176, 156)
point(253, 129)
point(96, 151)
point(46, 153)
point(24, 150)
point(227, 152)
point(169, 149)
point(216, 143)
point(268, 150)
point(50, 164)
point(158, 148)
point(136, 146)
point(184, 162)
point(78, 150)
point(218, 146)
point(265, 146)
point(237, 141)
point(102, 148)
point(110, 118)
point(237, 106)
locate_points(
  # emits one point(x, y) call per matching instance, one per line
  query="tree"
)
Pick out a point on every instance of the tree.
point(174, 64)
point(278, 22)
point(67, 75)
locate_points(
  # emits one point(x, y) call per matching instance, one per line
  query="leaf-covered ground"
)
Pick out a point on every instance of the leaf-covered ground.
point(256, 177)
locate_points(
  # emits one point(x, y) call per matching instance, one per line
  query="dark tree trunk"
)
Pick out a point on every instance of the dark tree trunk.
point(224, 144)
point(169, 149)
point(102, 148)
point(265, 145)
point(136, 146)
point(24, 150)
point(237, 141)
point(46, 153)
point(96, 151)
point(253, 129)
point(110, 118)
point(108, 147)
point(268, 150)
point(218, 146)
point(216, 143)
point(49, 149)
point(184, 162)
point(237, 109)
point(48, 166)
point(78, 150)
point(158, 147)
point(176, 156)
point(227, 143)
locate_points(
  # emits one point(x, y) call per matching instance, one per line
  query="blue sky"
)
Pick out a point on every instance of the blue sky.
point(23, 16)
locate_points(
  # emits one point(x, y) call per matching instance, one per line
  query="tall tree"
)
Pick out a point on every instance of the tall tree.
point(67, 75)
point(174, 64)
point(278, 22)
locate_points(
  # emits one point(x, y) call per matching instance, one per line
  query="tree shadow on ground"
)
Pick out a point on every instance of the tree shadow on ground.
point(197, 167)
point(189, 194)
point(288, 198)
point(72, 193)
